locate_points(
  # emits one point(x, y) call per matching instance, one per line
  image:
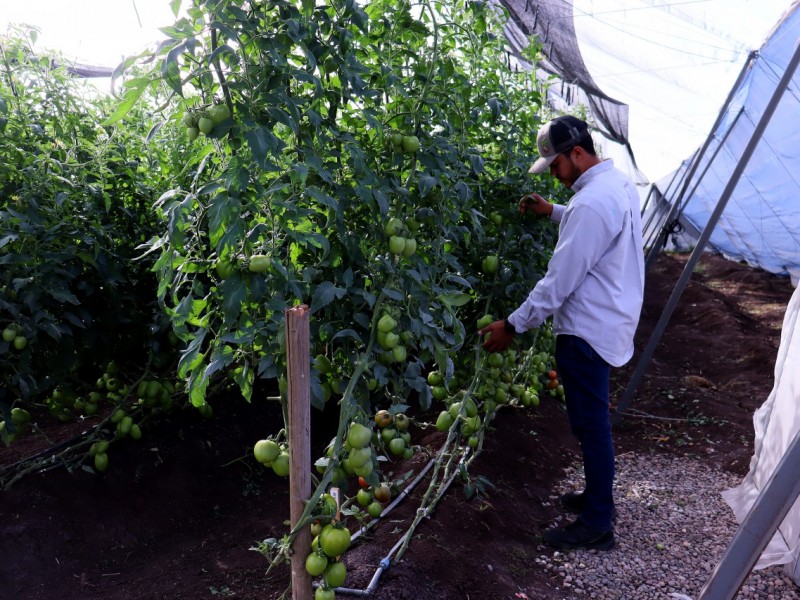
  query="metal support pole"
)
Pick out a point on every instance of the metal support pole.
point(765, 516)
point(733, 181)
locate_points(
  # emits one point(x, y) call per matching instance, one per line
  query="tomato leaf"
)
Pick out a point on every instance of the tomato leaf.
point(136, 88)
point(263, 144)
point(171, 72)
point(393, 294)
point(351, 333)
point(325, 293)
point(477, 163)
point(455, 300)
point(426, 184)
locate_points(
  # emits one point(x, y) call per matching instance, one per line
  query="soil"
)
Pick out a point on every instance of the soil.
point(178, 516)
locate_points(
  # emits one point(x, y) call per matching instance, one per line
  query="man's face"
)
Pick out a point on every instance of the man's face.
point(564, 169)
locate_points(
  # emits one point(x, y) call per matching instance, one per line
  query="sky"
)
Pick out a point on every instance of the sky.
point(95, 32)
point(672, 61)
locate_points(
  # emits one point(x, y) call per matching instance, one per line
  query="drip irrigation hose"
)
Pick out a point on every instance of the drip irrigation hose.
point(399, 498)
point(386, 561)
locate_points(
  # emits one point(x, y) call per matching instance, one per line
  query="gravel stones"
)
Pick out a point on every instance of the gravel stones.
point(672, 529)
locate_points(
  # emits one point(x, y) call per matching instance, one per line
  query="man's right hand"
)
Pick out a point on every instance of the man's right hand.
point(499, 339)
point(535, 204)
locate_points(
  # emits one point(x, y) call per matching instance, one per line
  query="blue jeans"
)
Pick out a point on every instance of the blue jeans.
point(586, 376)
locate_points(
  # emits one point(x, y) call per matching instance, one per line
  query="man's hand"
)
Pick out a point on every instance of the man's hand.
point(499, 340)
point(535, 204)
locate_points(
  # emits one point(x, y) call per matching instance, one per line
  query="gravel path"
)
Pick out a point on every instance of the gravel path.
point(673, 528)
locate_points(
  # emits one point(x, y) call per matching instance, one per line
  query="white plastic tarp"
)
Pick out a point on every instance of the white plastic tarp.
point(776, 424)
point(761, 223)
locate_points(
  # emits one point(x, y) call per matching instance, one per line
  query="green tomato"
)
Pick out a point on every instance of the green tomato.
point(124, 426)
point(266, 451)
point(281, 464)
point(394, 226)
point(334, 540)
point(410, 247)
point(335, 574)
point(20, 416)
point(359, 456)
point(225, 268)
point(365, 469)
point(20, 342)
point(375, 509)
point(401, 421)
point(490, 264)
point(454, 410)
point(316, 563)
point(470, 408)
point(324, 594)
point(439, 392)
point(397, 139)
point(435, 378)
point(205, 125)
point(388, 434)
point(386, 324)
point(495, 360)
point(9, 334)
point(323, 364)
point(444, 421)
point(192, 133)
point(485, 321)
point(410, 143)
point(101, 462)
point(358, 435)
point(258, 263)
point(399, 353)
point(397, 446)
point(219, 113)
point(363, 497)
point(397, 245)
point(389, 340)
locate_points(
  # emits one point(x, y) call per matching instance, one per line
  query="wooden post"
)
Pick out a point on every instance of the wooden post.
point(298, 362)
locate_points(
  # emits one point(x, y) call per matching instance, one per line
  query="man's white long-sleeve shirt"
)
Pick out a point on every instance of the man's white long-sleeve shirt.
point(595, 279)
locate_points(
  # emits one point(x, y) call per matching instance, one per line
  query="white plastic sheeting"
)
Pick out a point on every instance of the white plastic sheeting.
point(761, 223)
point(776, 424)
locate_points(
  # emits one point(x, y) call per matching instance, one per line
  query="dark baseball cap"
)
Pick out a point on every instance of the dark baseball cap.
point(557, 136)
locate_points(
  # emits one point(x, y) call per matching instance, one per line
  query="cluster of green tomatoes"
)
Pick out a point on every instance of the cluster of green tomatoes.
point(403, 143)
point(331, 540)
point(274, 455)
point(401, 240)
point(205, 120)
point(12, 334)
point(21, 420)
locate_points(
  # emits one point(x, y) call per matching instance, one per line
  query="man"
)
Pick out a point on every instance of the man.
point(593, 288)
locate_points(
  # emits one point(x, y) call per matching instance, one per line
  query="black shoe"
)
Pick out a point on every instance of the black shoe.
point(573, 502)
point(578, 535)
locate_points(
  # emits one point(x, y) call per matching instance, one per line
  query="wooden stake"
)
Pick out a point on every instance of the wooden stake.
point(298, 362)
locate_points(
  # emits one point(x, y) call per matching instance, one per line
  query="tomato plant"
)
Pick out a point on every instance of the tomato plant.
point(75, 205)
point(368, 161)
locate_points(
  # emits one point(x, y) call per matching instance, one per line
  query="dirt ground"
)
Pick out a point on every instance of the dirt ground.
point(177, 516)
